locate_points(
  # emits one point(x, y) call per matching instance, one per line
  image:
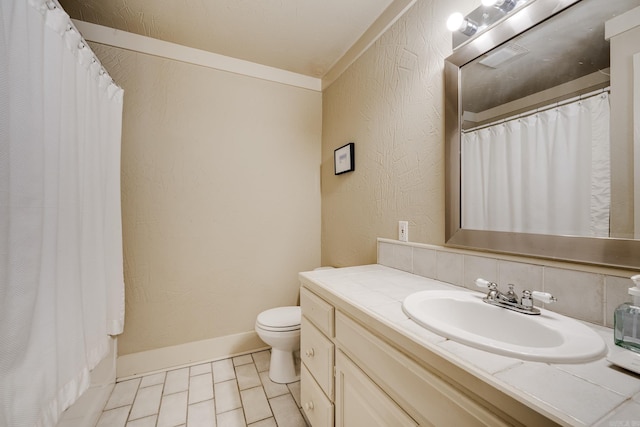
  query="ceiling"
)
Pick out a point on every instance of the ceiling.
point(303, 36)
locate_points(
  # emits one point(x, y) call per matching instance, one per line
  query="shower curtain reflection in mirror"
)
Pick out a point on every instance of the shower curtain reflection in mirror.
point(61, 277)
point(545, 172)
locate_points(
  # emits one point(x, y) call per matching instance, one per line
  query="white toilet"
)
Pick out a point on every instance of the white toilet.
point(280, 328)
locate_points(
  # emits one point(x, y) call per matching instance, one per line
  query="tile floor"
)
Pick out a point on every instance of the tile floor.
point(226, 393)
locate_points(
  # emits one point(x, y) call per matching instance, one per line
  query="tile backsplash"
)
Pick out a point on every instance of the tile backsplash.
point(584, 292)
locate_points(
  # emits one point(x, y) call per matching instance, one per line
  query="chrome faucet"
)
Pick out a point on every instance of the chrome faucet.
point(509, 299)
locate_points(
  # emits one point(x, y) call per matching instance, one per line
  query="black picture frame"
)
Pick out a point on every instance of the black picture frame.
point(344, 159)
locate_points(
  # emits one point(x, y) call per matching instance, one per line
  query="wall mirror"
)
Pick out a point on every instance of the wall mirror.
point(529, 156)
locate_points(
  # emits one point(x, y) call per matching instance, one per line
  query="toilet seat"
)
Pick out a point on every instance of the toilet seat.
point(280, 319)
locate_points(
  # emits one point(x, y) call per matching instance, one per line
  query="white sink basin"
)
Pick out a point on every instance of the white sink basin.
point(462, 316)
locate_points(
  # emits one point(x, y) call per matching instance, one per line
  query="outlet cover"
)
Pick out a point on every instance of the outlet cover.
point(403, 231)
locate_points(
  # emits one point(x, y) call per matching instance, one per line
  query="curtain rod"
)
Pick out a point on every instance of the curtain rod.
point(541, 109)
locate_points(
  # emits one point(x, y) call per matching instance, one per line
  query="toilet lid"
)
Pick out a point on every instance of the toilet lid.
point(280, 318)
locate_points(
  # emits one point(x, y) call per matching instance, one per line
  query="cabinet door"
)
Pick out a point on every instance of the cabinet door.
point(361, 403)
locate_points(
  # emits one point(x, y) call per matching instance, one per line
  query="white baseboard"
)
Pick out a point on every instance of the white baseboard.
point(147, 362)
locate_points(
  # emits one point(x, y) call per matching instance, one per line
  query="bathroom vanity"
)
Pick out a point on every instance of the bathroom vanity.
point(365, 363)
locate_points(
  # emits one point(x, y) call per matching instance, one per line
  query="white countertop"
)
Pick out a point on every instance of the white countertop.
point(595, 393)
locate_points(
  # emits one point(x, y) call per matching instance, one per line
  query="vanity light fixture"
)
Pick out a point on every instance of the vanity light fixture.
point(485, 15)
point(457, 22)
point(503, 5)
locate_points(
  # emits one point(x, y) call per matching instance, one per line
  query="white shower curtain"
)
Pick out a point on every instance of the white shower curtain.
point(545, 173)
point(61, 279)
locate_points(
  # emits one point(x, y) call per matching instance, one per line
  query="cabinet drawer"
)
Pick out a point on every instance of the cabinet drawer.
point(316, 352)
point(316, 406)
point(318, 311)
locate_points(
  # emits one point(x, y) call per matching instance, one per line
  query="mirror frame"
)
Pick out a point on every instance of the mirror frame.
point(622, 253)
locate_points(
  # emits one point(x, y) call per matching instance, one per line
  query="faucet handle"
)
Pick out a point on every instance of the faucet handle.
point(545, 297)
point(482, 283)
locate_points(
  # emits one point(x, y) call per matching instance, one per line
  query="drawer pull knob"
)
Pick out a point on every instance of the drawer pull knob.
point(310, 353)
point(308, 406)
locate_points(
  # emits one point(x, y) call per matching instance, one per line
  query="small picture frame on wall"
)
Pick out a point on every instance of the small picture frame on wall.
point(344, 159)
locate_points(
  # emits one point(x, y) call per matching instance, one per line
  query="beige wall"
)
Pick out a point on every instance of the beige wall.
point(390, 103)
point(221, 197)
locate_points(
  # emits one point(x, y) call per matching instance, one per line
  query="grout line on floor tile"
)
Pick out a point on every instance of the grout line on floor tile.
point(289, 389)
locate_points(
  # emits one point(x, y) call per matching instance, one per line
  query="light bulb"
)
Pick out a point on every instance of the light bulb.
point(455, 21)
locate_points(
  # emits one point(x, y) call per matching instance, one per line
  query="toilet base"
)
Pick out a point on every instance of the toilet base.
point(282, 369)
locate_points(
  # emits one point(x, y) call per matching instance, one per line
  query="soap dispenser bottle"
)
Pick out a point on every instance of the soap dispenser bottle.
point(626, 320)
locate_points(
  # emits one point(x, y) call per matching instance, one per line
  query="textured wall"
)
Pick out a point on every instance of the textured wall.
point(221, 197)
point(390, 102)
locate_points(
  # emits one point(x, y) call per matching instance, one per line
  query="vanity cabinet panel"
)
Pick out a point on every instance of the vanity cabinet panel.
point(318, 311)
point(424, 395)
point(317, 356)
point(316, 352)
point(316, 406)
point(361, 403)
